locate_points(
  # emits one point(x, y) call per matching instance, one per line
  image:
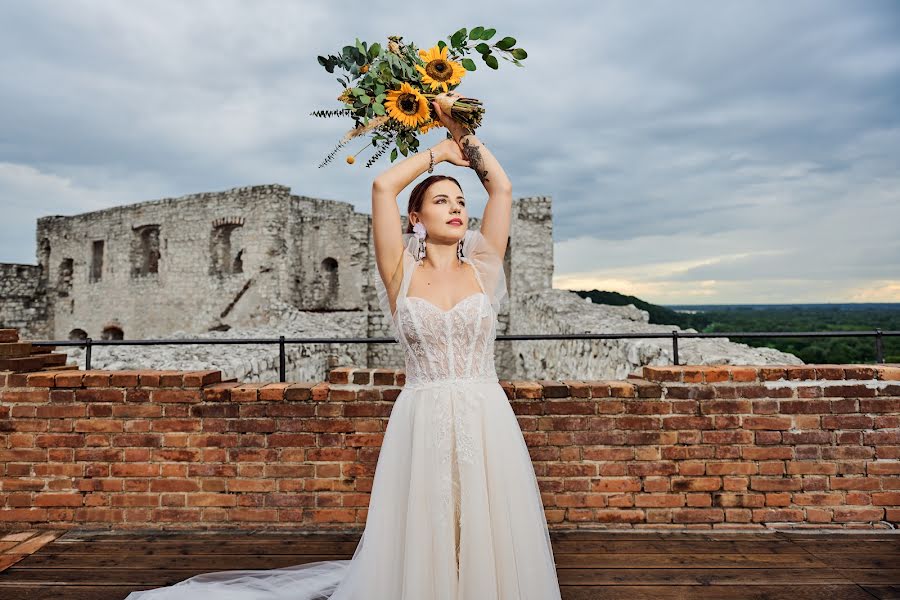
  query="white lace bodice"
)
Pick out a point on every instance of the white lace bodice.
point(455, 344)
point(452, 344)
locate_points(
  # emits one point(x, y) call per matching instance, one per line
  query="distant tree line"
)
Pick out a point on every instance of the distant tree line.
point(783, 318)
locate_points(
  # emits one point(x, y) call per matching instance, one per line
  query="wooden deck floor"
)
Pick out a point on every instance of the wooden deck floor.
point(86, 565)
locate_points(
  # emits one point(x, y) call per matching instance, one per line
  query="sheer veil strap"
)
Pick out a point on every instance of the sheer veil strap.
point(399, 281)
point(489, 266)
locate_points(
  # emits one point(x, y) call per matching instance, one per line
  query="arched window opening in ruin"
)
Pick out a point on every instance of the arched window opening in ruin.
point(64, 277)
point(145, 251)
point(329, 265)
point(111, 332)
point(238, 265)
point(330, 281)
point(226, 246)
point(78, 335)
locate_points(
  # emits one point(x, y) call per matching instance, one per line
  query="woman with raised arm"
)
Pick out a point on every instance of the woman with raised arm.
point(455, 512)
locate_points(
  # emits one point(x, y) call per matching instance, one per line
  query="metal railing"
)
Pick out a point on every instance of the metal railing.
point(282, 341)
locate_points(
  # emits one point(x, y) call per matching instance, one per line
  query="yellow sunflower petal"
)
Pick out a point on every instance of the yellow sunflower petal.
point(407, 105)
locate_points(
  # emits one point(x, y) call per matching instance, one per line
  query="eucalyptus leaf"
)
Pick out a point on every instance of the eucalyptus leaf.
point(365, 99)
point(393, 155)
point(519, 53)
point(357, 91)
point(475, 34)
point(375, 51)
point(488, 34)
point(378, 109)
point(468, 64)
point(491, 61)
point(483, 48)
point(458, 38)
point(506, 43)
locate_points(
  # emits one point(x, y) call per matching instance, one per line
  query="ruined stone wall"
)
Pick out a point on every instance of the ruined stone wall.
point(23, 302)
point(160, 266)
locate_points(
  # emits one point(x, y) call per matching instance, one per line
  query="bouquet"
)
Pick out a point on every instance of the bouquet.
point(388, 92)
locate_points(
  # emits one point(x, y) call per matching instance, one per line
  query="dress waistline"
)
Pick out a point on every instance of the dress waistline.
point(443, 381)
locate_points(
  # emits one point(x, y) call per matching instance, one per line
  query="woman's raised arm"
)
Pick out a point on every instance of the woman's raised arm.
point(495, 223)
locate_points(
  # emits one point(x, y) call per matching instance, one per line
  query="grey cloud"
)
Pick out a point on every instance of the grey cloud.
point(656, 126)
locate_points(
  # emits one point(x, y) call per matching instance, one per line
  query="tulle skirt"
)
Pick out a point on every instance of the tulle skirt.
point(455, 513)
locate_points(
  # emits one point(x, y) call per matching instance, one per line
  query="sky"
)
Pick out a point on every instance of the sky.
point(696, 152)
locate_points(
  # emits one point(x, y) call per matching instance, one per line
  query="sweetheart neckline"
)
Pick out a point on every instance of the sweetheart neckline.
point(449, 310)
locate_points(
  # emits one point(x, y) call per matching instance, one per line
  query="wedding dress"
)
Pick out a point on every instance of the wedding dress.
point(455, 512)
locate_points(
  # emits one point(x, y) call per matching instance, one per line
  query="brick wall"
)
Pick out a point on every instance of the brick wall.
point(676, 447)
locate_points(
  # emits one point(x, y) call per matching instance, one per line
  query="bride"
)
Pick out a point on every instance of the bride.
point(455, 512)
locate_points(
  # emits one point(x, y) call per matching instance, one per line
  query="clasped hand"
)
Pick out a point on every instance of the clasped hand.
point(450, 148)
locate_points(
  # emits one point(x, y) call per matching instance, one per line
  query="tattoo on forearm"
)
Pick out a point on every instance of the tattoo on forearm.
point(476, 162)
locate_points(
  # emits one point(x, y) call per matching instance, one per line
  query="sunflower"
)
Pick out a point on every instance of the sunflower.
point(407, 105)
point(429, 126)
point(439, 72)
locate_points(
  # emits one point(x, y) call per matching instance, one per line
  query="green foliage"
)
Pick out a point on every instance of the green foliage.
point(463, 42)
point(784, 318)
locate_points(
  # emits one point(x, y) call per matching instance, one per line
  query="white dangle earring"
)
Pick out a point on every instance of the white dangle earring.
point(419, 231)
point(459, 250)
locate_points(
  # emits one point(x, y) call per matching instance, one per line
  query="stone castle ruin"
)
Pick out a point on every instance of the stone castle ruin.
point(259, 261)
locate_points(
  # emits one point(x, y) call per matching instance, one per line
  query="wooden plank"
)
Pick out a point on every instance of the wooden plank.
point(208, 562)
point(197, 547)
point(240, 536)
point(72, 592)
point(872, 576)
point(696, 592)
point(259, 560)
point(8, 560)
point(288, 546)
point(691, 576)
point(18, 536)
point(681, 546)
point(35, 543)
point(595, 576)
point(883, 592)
point(860, 560)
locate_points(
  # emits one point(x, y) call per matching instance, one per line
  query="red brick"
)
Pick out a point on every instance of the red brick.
point(886, 498)
point(166, 395)
point(99, 395)
point(770, 423)
point(17, 396)
point(847, 514)
point(698, 515)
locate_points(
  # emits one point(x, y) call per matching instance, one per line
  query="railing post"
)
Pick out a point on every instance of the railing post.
point(281, 359)
point(879, 347)
point(87, 354)
point(675, 345)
